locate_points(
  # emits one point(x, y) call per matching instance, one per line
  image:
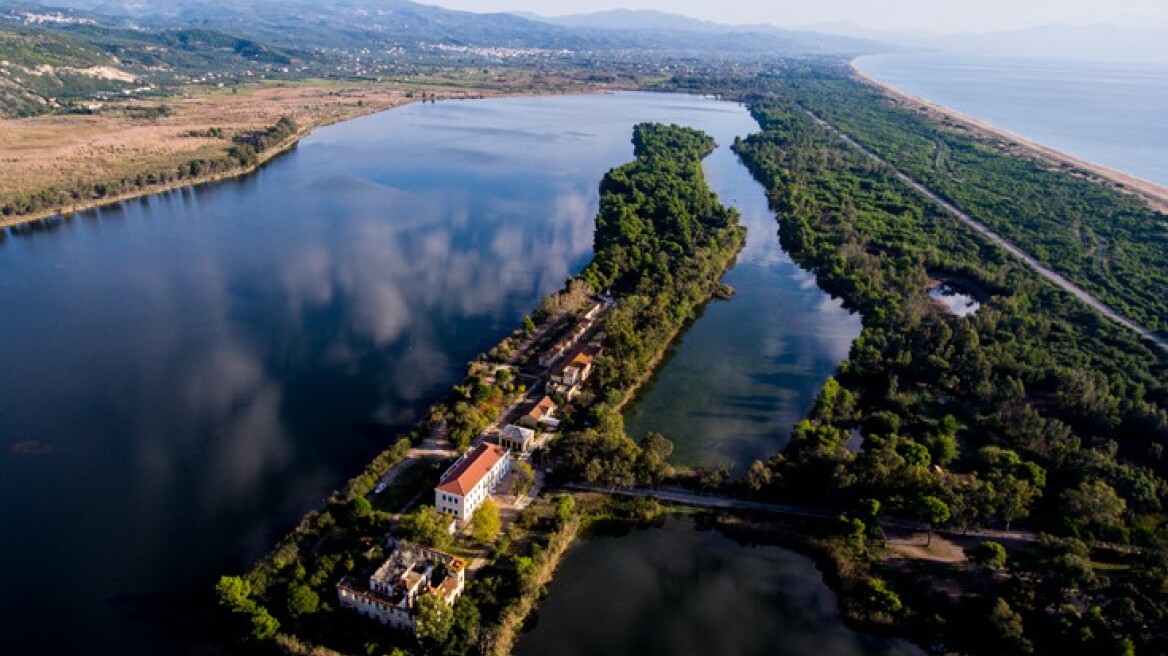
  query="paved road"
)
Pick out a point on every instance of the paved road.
point(1042, 270)
point(726, 503)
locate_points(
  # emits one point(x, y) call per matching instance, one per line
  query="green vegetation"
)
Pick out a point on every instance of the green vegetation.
point(249, 150)
point(1032, 413)
point(485, 524)
point(1106, 241)
point(42, 68)
point(663, 242)
point(427, 526)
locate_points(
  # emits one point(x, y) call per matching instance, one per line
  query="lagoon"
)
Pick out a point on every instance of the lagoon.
point(186, 374)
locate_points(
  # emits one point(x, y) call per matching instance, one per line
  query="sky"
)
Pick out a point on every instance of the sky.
point(934, 15)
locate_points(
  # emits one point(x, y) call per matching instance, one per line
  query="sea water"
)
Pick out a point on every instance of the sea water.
point(1106, 113)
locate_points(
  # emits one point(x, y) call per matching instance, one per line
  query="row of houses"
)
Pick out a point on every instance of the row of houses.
point(553, 353)
point(390, 595)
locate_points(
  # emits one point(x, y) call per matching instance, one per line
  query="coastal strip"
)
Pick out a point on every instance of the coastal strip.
point(1153, 194)
point(1046, 272)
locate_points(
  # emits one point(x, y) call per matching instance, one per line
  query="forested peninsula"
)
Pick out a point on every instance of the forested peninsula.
point(662, 243)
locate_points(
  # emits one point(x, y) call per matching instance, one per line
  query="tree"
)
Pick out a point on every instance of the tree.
point(302, 600)
point(758, 476)
point(989, 555)
point(528, 325)
point(485, 523)
point(358, 508)
point(934, 511)
point(233, 591)
point(878, 596)
point(868, 511)
point(464, 632)
point(435, 619)
point(564, 507)
point(652, 461)
point(263, 625)
point(1008, 624)
point(713, 477)
point(524, 477)
point(1095, 504)
point(427, 526)
point(247, 615)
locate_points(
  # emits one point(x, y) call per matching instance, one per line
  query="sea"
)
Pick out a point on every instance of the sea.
point(1107, 113)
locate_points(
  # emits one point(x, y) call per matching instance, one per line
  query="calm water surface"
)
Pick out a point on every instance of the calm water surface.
point(1106, 113)
point(678, 591)
point(750, 367)
point(184, 375)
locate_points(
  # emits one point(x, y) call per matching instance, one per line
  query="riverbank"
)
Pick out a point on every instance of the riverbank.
point(1153, 194)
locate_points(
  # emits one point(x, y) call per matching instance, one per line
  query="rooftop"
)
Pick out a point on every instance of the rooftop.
point(466, 473)
point(518, 433)
point(543, 408)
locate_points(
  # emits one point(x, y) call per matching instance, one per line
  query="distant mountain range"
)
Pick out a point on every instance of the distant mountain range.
point(379, 23)
point(1100, 42)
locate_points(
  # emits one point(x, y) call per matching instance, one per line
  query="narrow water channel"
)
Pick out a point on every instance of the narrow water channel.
point(750, 367)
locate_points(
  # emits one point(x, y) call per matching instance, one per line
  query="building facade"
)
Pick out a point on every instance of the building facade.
point(517, 438)
point(391, 593)
point(471, 480)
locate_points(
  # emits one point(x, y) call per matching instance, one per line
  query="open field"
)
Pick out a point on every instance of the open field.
point(47, 150)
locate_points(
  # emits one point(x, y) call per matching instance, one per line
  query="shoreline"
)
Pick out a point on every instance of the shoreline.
point(262, 159)
point(97, 203)
point(1155, 195)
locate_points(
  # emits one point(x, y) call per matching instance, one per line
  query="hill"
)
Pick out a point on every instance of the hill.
point(382, 24)
point(39, 71)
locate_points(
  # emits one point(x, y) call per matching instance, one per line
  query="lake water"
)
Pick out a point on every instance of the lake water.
point(186, 374)
point(678, 591)
point(1106, 113)
point(750, 368)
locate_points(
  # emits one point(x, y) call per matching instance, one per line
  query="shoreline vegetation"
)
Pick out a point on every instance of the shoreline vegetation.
point(240, 169)
point(1030, 413)
point(1150, 192)
point(1107, 243)
point(663, 242)
point(1025, 412)
point(319, 106)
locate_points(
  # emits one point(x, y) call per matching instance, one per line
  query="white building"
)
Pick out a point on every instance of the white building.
point(471, 480)
point(517, 438)
point(393, 590)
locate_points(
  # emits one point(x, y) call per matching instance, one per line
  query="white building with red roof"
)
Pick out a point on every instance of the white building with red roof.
point(471, 480)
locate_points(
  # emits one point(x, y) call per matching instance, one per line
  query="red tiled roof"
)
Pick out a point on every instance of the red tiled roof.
point(542, 409)
point(470, 470)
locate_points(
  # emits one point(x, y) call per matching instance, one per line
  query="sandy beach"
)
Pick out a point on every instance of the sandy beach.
point(1153, 194)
